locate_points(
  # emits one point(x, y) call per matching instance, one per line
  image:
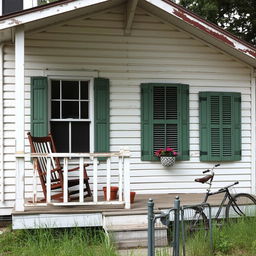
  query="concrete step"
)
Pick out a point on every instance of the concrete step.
point(131, 230)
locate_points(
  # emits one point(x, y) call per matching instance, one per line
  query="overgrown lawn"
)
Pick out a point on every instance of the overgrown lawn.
point(56, 242)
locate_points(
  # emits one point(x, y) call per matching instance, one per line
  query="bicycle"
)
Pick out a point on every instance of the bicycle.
point(239, 205)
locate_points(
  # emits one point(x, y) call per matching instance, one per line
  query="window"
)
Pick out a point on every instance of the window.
point(70, 116)
point(220, 126)
point(164, 115)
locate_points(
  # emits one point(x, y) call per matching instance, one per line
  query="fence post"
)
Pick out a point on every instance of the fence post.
point(176, 231)
point(151, 242)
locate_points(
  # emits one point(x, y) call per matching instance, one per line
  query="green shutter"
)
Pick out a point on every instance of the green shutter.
point(236, 131)
point(164, 119)
point(39, 106)
point(146, 123)
point(101, 115)
point(220, 126)
point(184, 121)
point(204, 136)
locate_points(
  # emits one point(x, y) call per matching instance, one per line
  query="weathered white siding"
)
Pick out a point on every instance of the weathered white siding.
point(154, 52)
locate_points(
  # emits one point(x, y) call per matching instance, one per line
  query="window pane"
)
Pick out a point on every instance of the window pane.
point(55, 89)
point(84, 110)
point(70, 109)
point(60, 135)
point(80, 137)
point(55, 109)
point(84, 90)
point(70, 90)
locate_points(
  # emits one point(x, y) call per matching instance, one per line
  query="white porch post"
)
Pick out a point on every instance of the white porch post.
point(127, 183)
point(20, 116)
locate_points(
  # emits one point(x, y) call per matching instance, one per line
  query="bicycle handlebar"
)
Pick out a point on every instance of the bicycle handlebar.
point(208, 170)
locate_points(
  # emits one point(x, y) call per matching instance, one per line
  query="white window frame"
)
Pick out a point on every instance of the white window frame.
point(90, 105)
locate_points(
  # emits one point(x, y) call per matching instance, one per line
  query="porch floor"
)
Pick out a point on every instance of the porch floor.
point(162, 201)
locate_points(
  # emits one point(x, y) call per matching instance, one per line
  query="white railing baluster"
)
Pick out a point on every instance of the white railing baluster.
point(48, 181)
point(120, 171)
point(81, 179)
point(65, 180)
point(46, 159)
point(127, 183)
point(95, 180)
point(108, 178)
point(34, 180)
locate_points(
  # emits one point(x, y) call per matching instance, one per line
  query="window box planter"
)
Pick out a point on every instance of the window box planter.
point(167, 161)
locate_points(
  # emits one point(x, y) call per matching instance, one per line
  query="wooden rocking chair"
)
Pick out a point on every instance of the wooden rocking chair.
point(46, 145)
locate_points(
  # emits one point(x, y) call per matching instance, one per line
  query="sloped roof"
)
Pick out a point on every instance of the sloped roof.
point(166, 9)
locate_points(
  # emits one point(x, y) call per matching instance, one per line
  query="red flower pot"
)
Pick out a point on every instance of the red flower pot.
point(113, 193)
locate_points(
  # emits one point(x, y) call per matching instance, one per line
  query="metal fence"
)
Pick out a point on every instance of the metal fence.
point(177, 221)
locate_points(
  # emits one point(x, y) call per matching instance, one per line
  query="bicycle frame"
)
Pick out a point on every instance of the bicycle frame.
point(226, 196)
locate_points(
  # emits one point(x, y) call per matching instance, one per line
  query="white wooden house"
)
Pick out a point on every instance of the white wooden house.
point(166, 78)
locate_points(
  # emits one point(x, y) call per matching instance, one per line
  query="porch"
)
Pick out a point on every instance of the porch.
point(128, 227)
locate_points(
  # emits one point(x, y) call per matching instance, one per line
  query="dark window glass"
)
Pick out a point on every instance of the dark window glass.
point(55, 109)
point(70, 90)
point(10, 6)
point(84, 90)
point(84, 110)
point(80, 137)
point(70, 109)
point(60, 135)
point(55, 89)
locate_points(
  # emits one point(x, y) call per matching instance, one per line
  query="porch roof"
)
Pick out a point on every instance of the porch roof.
point(43, 16)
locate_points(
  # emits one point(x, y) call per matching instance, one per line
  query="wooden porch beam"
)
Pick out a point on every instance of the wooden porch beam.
point(131, 8)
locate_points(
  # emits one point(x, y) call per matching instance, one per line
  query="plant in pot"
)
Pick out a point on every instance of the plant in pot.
point(167, 156)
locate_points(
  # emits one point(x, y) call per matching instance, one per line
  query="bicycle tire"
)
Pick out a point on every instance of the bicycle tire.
point(246, 206)
point(195, 221)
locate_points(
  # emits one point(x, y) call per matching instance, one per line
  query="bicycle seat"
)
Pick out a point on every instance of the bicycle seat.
point(204, 179)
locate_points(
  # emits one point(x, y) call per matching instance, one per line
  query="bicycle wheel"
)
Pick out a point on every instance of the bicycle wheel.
point(242, 205)
point(195, 220)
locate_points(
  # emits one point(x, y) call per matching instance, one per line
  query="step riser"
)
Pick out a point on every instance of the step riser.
point(133, 235)
point(110, 221)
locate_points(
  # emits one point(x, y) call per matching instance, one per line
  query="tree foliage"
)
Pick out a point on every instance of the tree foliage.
point(236, 16)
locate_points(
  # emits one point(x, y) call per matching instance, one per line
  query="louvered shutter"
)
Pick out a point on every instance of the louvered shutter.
point(165, 117)
point(146, 122)
point(101, 115)
point(39, 106)
point(165, 122)
point(220, 126)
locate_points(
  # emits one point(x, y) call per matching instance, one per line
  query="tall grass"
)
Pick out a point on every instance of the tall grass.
point(235, 238)
point(61, 242)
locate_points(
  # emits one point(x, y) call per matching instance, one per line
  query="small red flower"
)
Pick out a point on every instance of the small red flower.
point(166, 152)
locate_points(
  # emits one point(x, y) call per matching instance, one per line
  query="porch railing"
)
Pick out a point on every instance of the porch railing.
point(123, 167)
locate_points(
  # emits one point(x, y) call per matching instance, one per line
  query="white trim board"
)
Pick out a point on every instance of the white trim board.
point(56, 220)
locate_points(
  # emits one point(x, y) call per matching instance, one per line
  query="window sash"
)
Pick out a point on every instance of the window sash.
point(79, 100)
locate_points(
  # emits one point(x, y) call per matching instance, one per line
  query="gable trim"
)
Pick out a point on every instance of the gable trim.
point(211, 29)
